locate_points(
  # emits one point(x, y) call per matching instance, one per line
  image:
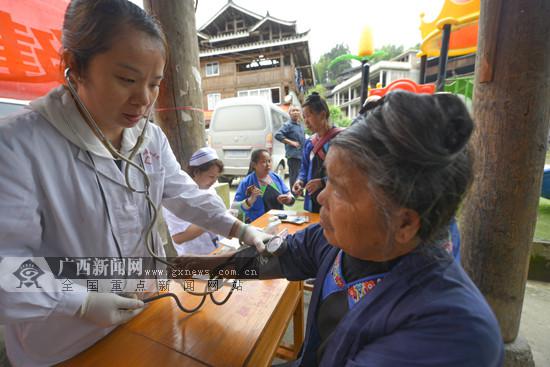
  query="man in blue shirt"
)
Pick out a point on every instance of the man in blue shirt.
point(291, 134)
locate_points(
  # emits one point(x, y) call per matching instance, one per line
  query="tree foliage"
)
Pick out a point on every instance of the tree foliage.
point(327, 75)
point(324, 74)
point(389, 52)
point(319, 88)
point(337, 117)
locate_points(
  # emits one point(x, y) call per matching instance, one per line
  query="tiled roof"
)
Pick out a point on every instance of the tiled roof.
point(301, 37)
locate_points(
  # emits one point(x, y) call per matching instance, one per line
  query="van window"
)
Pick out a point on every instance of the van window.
point(277, 120)
point(239, 118)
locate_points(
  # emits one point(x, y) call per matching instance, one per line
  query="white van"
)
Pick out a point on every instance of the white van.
point(242, 124)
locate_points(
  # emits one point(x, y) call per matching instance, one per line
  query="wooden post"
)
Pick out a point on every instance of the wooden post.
point(512, 110)
point(179, 105)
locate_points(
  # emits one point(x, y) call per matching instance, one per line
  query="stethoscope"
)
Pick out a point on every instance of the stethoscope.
point(153, 210)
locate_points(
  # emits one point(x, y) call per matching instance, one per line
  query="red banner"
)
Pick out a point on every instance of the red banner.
point(30, 45)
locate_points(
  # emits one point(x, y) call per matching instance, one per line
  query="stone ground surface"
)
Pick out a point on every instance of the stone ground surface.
point(535, 321)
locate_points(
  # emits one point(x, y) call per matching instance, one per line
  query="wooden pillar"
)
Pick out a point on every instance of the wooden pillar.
point(512, 110)
point(179, 105)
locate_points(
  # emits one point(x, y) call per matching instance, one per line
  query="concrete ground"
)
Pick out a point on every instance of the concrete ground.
point(535, 321)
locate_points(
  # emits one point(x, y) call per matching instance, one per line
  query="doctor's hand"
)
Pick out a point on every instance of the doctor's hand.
point(109, 309)
point(252, 236)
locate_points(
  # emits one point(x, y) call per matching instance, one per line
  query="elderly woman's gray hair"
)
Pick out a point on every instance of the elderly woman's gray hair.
point(413, 150)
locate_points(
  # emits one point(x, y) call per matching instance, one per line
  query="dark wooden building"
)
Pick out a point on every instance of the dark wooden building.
point(246, 54)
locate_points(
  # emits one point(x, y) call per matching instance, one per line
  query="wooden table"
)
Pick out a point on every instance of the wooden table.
point(246, 331)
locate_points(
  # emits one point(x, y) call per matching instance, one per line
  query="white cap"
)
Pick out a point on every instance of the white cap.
point(203, 155)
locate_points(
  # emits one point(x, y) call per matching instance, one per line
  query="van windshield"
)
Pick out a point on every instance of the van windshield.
point(238, 118)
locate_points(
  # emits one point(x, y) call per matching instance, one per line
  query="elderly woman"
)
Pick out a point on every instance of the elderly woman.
point(312, 170)
point(387, 291)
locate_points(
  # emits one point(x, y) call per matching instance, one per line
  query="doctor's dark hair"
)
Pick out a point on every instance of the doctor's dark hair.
point(413, 149)
point(90, 26)
point(317, 104)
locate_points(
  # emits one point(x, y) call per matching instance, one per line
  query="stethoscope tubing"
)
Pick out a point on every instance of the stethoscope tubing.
point(151, 205)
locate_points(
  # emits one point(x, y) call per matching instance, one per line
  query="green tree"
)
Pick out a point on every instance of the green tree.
point(389, 52)
point(326, 75)
point(337, 117)
point(319, 88)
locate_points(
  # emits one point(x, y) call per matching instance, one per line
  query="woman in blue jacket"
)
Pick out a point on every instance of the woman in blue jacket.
point(312, 170)
point(262, 190)
point(387, 291)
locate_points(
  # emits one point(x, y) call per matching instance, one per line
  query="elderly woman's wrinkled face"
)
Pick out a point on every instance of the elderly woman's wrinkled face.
point(351, 218)
point(314, 121)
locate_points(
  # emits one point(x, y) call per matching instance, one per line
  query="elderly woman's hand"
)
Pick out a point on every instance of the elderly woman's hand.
point(314, 185)
point(298, 187)
point(252, 193)
point(286, 199)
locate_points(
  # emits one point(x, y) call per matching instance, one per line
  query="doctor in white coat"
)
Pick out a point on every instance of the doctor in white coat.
point(63, 194)
point(188, 238)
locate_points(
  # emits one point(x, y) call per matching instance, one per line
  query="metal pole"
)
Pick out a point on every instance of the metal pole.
point(440, 84)
point(423, 62)
point(365, 69)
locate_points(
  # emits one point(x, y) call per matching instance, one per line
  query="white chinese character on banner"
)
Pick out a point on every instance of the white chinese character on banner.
point(83, 266)
point(118, 267)
point(61, 262)
point(99, 267)
point(135, 266)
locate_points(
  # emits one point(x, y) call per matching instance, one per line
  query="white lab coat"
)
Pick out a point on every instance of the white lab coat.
point(51, 205)
point(203, 244)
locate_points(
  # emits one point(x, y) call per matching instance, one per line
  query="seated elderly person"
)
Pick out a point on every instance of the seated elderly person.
point(387, 292)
